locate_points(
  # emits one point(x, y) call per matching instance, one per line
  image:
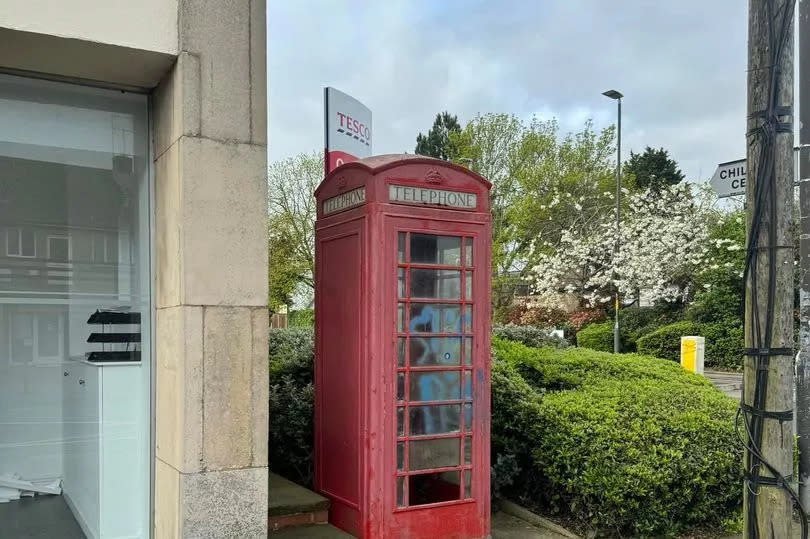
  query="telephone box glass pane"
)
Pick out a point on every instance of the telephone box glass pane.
point(467, 450)
point(401, 317)
point(400, 386)
point(467, 384)
point(439, 453)
point(401, 247)
point(401, 283)
point(400, 421)
point(433, 487)
point(468, 282)
point(430, 249)
point(435, 386)
point(400, 492)
point(400, 456)
point(439, 284)
point(434, 318)
point(467, 416)
point(467, 318)
point(429, 351)
point(400, 351)
point(468, 252)
point(467, 484)
point(468, 350)
point(436, 419)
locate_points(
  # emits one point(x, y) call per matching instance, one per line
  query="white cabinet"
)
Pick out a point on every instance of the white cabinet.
point(105, 468)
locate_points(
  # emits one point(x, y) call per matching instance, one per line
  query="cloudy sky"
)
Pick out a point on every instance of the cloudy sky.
point(681, 66)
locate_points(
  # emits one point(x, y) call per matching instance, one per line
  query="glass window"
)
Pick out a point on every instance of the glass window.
point(74, 191)
point(438, 453)
point(435, 386)
point(468, 252)
point(434, 419)
point(400, 351)
point(434, 318)
point(433, 487)
point(430, 351)
point(468, 285)
point(430, 249)
point(431, 283)
point(401, 247)
point(59, 248)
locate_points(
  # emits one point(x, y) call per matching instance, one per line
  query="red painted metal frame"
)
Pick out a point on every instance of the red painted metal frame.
point(375, 514)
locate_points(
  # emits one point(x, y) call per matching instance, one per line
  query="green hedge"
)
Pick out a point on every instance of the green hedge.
point(665, 342)
point(626, 444)
point(596, 337)
point(724, 342)
point(529, 335)
point(292, 396)
point(636, 322)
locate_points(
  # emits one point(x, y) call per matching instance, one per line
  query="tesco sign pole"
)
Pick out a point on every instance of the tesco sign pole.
point(347, 129)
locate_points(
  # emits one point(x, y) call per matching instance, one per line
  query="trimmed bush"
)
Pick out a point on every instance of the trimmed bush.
point(530, 336)
point(292, 397)
point(724, 342)
point(724, 345)
point(635, 322)
point(626, 444)
point(665, 342)
point(596, 336)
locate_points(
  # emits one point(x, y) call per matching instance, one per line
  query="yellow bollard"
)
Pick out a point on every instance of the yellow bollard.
point(692, 351)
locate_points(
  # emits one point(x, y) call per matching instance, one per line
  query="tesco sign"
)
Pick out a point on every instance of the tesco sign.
point(347, 129)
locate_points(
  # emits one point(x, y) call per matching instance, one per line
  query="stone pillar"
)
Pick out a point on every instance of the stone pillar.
point(211, 276)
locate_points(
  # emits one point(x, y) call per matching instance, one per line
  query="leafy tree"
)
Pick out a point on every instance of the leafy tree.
point(664, 240)
point(437, 141)
point(653, 168)
point(291, 183)
point(542, 183)
point(286, 269)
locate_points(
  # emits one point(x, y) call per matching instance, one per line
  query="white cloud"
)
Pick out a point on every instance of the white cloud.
point(681, 66)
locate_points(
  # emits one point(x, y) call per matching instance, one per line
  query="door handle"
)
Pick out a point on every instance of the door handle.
point(81, 381)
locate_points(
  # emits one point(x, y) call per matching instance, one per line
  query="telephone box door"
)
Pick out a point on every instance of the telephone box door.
point(439, 362)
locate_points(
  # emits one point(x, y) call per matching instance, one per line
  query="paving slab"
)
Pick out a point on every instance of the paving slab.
point(313, 531)
point(730, 383)
point(287, 498)
point(508, 527)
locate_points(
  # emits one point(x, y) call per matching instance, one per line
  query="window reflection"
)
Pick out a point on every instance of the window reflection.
point(435, 386)
point(436, 318)
point(427, 351)
point(439, 284)
point(435, 419)
point(430, 249)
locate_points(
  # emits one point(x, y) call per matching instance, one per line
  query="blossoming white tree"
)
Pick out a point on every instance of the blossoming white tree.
point(663, 243)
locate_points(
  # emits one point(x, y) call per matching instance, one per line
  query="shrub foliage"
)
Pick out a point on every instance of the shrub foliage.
point(530, 336)
point(623, 444)
point(596, 337)
point(629, 445)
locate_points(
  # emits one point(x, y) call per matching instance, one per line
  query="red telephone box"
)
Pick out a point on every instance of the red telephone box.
point(402, 271)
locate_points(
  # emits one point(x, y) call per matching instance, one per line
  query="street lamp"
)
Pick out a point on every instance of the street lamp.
point(617, 96)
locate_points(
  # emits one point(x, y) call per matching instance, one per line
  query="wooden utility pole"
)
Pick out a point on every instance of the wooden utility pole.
point(803, 360)
point(768, 391)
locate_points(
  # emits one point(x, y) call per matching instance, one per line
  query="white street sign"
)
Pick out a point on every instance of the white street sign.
point(729, 178)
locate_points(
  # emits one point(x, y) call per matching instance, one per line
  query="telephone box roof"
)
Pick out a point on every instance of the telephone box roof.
point(379, 163)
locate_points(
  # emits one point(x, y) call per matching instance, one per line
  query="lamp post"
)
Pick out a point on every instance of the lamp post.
point(617, 96)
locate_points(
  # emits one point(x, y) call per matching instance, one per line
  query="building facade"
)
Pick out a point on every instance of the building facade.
point(133, 267)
